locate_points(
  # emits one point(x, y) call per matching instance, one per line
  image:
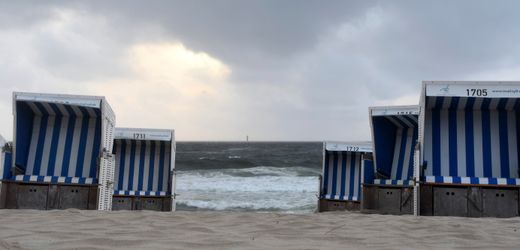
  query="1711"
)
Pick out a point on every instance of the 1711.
point(139, 136)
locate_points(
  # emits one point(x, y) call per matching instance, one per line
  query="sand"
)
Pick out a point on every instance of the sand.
point(74, 229)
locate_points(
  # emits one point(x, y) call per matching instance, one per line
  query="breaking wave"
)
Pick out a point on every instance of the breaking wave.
point(262, 188)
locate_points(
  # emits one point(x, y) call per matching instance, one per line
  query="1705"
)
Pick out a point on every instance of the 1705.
point(476, 92)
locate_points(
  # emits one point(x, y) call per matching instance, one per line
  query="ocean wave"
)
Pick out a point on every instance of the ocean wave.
point(207, 158)
point(254, 171)
point(208, 162)
point(274, 171)
point(267, 189)
point(217, 181)
point(236, 176)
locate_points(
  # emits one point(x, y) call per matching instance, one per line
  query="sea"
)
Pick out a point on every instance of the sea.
point(248, 176)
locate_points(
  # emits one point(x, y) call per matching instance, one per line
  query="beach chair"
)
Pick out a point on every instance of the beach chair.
point(5, 164)
point(469, 134)
point(62, 153)
point(145, 169)
point(340, 182)
point(394, 135)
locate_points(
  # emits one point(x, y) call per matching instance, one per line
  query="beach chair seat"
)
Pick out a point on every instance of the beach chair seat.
point(54, 179)
point(472, 180)
point(141, 193)
point(392, 182)
point(341, 197)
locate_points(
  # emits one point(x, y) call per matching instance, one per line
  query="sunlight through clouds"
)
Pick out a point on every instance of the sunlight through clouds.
point(191, 73)
point(171, 86)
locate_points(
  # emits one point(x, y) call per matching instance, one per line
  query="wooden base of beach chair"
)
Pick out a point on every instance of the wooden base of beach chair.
point(122, 203)
point(44, 196)
point(500, 202)
point(333, 205)
point(141, 203)
point(387, 199)
point(469, 201)
point(449, 201)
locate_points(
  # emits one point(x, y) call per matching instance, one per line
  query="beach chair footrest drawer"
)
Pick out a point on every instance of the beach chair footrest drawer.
point(470, 201)
point(141, 203)
point(335, 205)
point(46, 196)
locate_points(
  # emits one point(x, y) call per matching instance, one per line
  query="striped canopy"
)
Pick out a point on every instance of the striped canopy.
point(470, 137)
point(142, 167)
point(342, 175)
point(56, 140)
point(395, 137)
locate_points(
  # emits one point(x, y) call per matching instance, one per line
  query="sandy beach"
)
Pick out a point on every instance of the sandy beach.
point(74, 229)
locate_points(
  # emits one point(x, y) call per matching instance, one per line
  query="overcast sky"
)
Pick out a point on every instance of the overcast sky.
point(273, 70)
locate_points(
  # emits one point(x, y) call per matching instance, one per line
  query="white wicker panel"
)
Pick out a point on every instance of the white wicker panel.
point(109, 123)
point(416, 166)
point(101, 187)
point(106, 182)
point(110, 182)
point(109, 137)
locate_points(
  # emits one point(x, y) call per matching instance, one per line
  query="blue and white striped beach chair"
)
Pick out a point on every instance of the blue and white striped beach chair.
point(145, 169)
point(61, 152)
point(340, 184)
point(394, 136)
point(5, 162)
point(469, 142)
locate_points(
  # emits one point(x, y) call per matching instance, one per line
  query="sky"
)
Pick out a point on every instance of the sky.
point(270, 69)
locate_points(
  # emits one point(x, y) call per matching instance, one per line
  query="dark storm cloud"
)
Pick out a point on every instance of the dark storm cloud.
point(234, 29)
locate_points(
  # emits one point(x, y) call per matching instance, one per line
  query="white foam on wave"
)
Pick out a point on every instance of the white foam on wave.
point(256, 171)
point(283, 190)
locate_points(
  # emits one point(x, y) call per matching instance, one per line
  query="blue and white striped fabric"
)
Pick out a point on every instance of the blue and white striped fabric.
point(471, 137)
point(393, 182)
point(406, 136)
point(140, 193)
point(394, 142)
point(6, 167)
point(142, 167)
point(342, 176)
point(54, 179)
point(472, 180)
point(57, 140)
